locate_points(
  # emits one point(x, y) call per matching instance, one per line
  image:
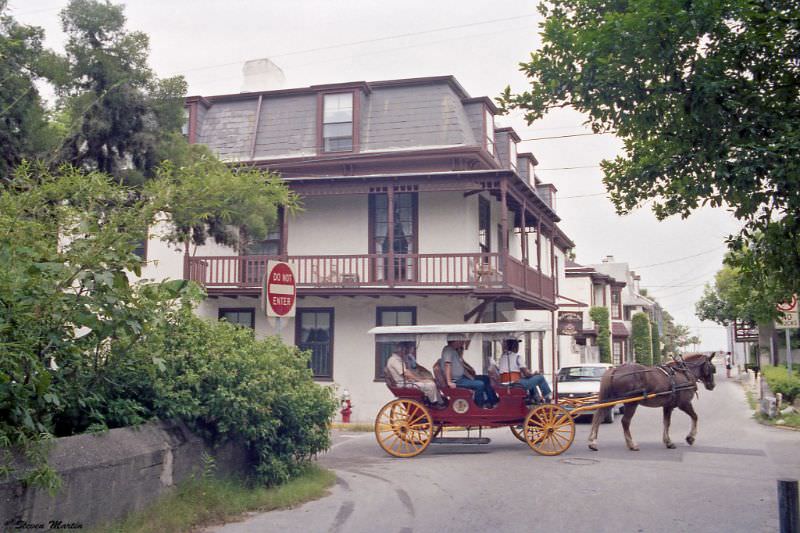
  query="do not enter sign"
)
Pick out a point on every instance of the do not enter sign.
point(279, 290)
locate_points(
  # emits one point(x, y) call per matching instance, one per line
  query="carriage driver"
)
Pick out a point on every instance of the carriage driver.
point(459, 374)
point(404, 371)
point(511, 361)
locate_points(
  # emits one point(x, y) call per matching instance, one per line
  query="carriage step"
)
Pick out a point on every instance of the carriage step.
point(461, 440)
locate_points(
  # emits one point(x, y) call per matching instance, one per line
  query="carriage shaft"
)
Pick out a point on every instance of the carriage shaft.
point(645, 396)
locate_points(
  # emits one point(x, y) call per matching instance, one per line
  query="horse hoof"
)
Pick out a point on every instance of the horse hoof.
point(593, 447)
point(690, 440)
point(634, 448)
point(671, 446)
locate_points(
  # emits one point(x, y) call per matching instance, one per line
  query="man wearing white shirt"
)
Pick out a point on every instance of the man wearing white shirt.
point(511, 363)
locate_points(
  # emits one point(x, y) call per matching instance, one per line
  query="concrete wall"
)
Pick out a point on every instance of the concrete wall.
point(106, 476)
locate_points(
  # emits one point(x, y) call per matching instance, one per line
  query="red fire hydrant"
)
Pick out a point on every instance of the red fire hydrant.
point(347, 407)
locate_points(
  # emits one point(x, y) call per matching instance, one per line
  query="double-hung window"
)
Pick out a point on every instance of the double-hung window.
point(314, 333)
point(390, 316)
point(405, 214)
point(616, 305)
point(337, 122)
point(245, 317)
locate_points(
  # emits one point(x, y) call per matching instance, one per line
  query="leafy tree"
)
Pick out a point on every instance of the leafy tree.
point(82, 348)
point(655, 337)
point(729, 299)
point(206, 196)
point(24, 130)
point(676, 336)
point(705, 96)
point(121, 118)
point(641, 340)
point(601, 317)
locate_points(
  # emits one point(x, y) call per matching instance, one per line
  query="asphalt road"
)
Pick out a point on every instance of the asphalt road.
point(725, 482)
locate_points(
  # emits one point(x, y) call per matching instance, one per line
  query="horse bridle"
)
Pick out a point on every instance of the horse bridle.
point(705, 375)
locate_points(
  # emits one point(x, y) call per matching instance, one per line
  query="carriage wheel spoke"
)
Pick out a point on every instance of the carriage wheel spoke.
point(549, 429)
point(403, 428)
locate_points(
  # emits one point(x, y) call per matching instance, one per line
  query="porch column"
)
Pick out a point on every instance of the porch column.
point(390, 230)
point(524, 232)
point(553, 261)
point(524, 242)
point(539, 251)
point(503, 244)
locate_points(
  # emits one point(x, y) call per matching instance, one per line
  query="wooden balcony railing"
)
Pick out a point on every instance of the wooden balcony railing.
point(487, 270)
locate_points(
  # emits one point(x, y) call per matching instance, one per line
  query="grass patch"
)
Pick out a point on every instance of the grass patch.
point(752, 400)
point(792, 420)
point(207, 500)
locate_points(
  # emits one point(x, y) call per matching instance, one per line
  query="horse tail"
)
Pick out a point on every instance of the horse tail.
point(605, 385)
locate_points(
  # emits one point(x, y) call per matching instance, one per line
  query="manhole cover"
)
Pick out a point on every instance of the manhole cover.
point(579, 461)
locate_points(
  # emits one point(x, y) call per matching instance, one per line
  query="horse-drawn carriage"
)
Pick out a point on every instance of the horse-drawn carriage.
point(408, 424)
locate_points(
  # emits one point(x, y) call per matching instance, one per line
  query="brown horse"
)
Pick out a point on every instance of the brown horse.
point(673, 384)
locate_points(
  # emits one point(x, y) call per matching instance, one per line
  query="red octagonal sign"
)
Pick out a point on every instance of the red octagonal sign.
point(279, 289)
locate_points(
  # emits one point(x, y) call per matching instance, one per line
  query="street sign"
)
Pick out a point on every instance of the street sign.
point(789, 317)
point(279, 291)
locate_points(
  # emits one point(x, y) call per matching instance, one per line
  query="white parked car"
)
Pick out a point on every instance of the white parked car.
point(580, 381)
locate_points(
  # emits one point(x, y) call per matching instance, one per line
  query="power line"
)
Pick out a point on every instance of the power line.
point(568, 168)
point(567, 136)
point(581, 196)
point(366, 41)
point(678, 259)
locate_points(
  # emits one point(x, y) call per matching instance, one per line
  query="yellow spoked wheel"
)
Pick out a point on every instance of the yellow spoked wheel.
point(549, 429)
point(517, 431)
point(404, 428)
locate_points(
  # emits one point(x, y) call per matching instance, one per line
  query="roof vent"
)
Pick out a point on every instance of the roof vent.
point(262, 75)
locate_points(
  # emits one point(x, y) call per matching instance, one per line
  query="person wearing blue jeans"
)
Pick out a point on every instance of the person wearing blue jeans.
point(459, 374)
point(511, 361)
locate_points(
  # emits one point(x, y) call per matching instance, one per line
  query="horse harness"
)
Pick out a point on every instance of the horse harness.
point(670, 371)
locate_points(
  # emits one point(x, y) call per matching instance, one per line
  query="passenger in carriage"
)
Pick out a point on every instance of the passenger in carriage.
point(404, 371)
point(512, 364)
point(459, 374)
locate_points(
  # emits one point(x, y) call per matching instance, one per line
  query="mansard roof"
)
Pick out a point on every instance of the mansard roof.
point(392, 115)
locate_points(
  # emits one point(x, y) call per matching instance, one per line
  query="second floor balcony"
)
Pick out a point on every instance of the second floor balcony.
point(375, 274)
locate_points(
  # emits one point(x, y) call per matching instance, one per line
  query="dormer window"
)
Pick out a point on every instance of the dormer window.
point(337, 122)
point(512, 154)
point(488, 127)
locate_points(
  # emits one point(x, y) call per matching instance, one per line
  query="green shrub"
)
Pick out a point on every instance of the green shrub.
point(84, 349)
point(779, 382)
point(640, 339)
point(600, 317)
point(656, 343)
point(228, 385)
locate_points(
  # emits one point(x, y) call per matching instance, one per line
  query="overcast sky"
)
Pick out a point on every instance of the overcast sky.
point(481, 44)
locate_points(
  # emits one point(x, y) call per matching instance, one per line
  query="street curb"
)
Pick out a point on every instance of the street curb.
point(781, 426)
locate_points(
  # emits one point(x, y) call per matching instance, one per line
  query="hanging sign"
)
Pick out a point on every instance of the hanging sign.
point(569, 322)
point(744, 331)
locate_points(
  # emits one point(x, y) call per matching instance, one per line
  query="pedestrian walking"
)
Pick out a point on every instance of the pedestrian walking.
point(728, 363)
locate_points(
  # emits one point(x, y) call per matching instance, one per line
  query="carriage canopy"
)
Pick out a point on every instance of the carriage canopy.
point(487, 331)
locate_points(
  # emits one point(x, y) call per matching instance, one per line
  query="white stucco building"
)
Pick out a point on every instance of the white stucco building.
point(416, 210)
